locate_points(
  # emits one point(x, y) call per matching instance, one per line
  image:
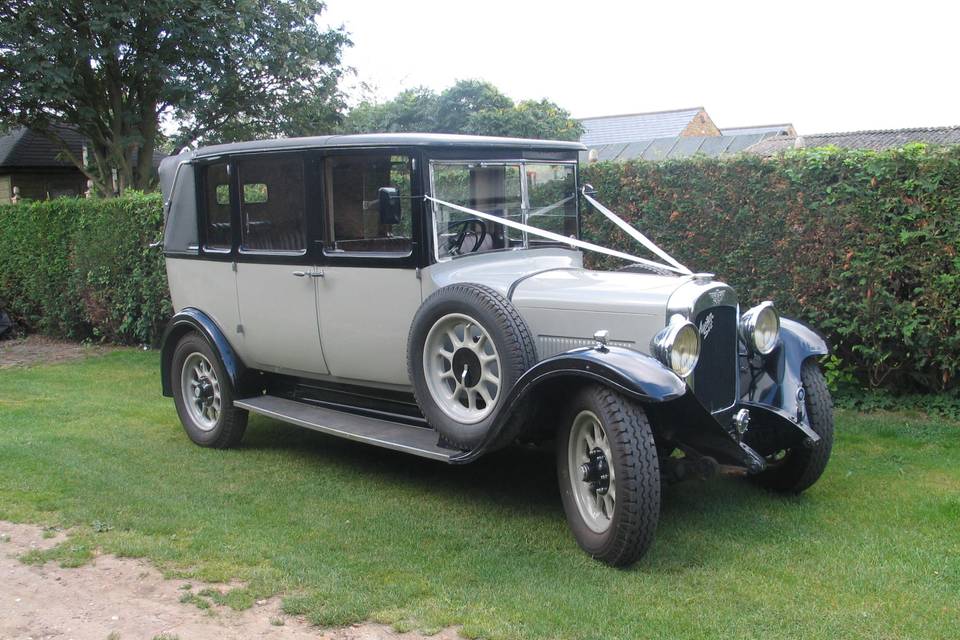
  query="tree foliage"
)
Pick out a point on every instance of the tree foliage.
point(469, 106)
point(82, 268)
point(225, 70)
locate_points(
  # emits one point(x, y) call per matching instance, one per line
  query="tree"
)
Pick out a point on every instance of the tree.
point(469, 106)
point(412, 110)
point(528, 119)
point(458, 104)
point(111, 70)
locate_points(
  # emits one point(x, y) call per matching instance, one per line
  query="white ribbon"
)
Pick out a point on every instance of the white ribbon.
point(556, 237)
point(636, 235)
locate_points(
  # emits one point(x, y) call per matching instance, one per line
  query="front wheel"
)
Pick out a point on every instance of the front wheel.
point(609, 476)
point(796, 469)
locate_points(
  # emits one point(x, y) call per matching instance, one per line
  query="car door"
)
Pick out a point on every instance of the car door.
point(277, 273)
point(370, 290)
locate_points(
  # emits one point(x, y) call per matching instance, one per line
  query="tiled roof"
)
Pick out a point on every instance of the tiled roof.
point(675, 147)
point(22, 147)
point(777, 129)
point(636, 126)
point(877, 140)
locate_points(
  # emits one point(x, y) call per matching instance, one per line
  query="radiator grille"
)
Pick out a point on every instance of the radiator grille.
point(715, 378)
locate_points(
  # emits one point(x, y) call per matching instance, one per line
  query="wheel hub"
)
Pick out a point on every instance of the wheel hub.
point(200, 391)
point(204, 391)
point(596, 472)
point(592, 478)
point(466, 367)
point(462, 368)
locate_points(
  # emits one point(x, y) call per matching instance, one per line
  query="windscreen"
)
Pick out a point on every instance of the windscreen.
point(541, 195)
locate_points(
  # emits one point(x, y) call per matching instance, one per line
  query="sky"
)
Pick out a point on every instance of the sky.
point(823, 66)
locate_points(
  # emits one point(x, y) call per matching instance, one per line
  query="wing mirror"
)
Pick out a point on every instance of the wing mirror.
point(389, 205)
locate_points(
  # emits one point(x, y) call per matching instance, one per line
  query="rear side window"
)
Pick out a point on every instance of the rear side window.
point(272, 207)
point(219, 235)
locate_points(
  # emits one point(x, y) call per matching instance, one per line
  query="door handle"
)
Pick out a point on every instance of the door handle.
point(309, 274)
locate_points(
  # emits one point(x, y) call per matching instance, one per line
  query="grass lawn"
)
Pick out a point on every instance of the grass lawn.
point(349, 532)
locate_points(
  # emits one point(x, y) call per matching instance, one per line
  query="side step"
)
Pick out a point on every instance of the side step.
point(382, 433)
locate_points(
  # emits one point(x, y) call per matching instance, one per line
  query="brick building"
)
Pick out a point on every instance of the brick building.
point(647, 126)
point(664, 135)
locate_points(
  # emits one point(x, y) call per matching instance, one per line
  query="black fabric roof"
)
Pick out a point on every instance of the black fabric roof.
point(387, 139)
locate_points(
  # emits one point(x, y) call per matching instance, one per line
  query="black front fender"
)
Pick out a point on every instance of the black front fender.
point(636, 375)
point(190, 319)
point(774, 380)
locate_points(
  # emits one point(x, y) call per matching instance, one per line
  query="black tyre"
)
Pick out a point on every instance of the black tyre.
point(609, 475)
point(467, 347)
point(796, 469)
point(204, 396)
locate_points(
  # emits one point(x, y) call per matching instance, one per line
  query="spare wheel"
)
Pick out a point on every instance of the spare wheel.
point(467, 348)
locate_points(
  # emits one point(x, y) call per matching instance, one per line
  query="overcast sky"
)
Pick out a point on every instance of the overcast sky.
point(824, 66)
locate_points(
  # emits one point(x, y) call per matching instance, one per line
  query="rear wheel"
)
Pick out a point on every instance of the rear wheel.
point(204, 396)
point(609, 476)
point(796, 469)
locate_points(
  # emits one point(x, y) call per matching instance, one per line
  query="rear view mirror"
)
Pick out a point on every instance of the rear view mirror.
point(389, 205)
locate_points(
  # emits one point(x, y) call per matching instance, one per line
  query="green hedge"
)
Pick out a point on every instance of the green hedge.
point(862, 245)
point(81, 268)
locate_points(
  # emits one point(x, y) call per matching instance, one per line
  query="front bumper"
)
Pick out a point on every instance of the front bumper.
point(686, 423)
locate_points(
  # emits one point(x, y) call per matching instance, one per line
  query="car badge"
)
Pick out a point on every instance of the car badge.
point(717, 295)
point(706, 326)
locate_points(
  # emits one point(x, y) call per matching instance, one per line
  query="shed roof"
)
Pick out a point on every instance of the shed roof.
point(875, 139)
point(636, 126)
point(785, 129)
point(22, 147)
point(675, 147)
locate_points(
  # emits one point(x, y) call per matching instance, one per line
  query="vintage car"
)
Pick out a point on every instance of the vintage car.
point(427, 293)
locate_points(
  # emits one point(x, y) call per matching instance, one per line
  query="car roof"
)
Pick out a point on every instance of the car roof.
point(444, 140)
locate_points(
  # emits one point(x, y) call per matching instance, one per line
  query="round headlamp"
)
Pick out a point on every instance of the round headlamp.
point(677, 346)
point(760, 328)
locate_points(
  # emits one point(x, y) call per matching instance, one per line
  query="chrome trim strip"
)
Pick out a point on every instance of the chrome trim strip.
point(696, 294)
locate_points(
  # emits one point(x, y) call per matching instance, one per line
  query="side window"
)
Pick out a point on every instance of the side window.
point(218, 231)
point(353, 184)
point(272, 208)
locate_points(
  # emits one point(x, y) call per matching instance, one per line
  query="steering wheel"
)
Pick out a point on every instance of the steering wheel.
point(471, 226)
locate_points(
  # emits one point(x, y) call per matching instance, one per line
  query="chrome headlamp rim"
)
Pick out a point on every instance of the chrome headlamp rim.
point(662, 344)
point(747, 326)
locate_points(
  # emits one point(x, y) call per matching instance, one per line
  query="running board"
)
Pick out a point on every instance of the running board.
point(381, 433)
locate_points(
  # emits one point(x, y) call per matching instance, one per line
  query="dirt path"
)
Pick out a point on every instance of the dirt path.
point(42, 350)
point(129, 598)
